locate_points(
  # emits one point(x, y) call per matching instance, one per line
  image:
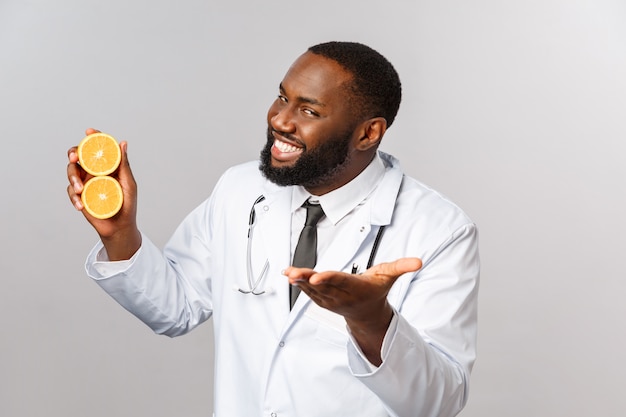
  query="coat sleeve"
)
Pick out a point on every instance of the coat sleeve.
point(169, 291)
point(172, 290)
point(430, 349)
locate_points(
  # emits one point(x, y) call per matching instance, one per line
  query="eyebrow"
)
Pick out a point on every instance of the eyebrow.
point(302, 99)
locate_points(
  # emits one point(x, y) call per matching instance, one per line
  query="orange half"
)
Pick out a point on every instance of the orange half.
point(99, 154)
point(102, 197)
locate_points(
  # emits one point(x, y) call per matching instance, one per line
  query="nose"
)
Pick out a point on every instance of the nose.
point(280, 118)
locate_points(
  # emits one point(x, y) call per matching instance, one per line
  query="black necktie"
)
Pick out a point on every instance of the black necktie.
point(305, 255)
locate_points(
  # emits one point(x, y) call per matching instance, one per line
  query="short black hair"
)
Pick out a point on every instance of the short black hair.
point(376, 84)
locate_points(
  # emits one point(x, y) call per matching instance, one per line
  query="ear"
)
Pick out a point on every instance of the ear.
point(372, 131)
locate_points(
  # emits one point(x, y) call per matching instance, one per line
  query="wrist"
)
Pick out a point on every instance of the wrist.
point(122, 245)
point(369, 333)
point(374, 324)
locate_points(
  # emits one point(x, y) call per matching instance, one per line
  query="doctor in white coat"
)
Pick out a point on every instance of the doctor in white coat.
point(385, 324)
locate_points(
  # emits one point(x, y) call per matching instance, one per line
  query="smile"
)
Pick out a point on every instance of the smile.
point(285, 147)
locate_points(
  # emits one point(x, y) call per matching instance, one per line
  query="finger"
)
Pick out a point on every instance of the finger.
point(74, 172)
point(72, 154)
point(296, 275)
point(397, 267)
point(74, 198)
point(319, 294)
point(333, 278)
point(91, 130)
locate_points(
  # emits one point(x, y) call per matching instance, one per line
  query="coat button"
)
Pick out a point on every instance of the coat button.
point(281, 344)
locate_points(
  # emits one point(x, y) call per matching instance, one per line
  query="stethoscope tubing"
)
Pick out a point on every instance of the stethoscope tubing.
point(254, 284)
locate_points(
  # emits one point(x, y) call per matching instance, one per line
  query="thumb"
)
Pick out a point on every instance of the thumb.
point(124, 169)
point(125, 174)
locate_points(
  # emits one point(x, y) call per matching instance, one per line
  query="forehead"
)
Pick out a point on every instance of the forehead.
point(316, 77)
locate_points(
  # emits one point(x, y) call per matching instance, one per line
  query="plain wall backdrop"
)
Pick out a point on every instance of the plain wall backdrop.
point(516, 110)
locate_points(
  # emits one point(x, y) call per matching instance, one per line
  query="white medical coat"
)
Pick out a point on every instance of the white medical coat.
point(270, 361)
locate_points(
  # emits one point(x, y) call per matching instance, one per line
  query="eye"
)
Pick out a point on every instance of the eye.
point(310, 112)
point(282, 98)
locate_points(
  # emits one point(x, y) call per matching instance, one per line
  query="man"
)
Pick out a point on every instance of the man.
point(393, 339)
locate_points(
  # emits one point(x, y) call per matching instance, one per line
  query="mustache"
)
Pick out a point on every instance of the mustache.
point(288, 136)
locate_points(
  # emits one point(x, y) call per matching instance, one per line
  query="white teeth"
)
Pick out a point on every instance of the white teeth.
point(285, 147)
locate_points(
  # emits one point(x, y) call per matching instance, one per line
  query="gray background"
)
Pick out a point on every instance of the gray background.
point(515, 110)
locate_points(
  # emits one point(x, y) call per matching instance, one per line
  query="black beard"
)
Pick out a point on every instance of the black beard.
point(313, 168)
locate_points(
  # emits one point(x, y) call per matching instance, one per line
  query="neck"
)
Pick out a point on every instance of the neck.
point(357, 163)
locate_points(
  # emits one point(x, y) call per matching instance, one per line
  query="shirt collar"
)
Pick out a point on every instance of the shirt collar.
point(338, 203)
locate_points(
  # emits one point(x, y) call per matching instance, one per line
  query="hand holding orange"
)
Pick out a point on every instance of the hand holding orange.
point(99, 155)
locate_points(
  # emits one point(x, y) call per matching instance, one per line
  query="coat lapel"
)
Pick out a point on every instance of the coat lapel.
point(273, 235)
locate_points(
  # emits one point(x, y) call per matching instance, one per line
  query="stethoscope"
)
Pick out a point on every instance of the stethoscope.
point(253, 284)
